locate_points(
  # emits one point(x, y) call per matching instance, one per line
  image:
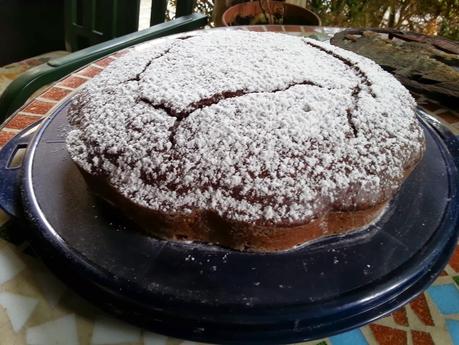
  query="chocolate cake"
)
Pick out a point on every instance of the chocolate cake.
point(252, 141)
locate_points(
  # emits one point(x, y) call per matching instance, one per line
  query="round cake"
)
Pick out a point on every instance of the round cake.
point(252, 141)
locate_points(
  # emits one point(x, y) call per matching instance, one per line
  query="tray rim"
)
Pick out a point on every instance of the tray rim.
point(441, 135)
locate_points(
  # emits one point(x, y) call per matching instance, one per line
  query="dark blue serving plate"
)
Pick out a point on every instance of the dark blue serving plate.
point(212, 294)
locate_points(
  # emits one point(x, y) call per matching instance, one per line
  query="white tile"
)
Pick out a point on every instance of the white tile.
point(154, 339)
point(61, 331)
point(110, 331)
point(51, 287)
point(144, 14)
point(18, 308)
point(10, 265)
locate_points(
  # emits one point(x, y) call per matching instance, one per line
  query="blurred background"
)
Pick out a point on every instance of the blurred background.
point(432, 17)
point(34, 31)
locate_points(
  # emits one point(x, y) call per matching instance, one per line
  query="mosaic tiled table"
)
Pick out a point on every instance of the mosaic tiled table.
point(37, 309)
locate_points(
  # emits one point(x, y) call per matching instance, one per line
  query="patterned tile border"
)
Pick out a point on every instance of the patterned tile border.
point(45, 103)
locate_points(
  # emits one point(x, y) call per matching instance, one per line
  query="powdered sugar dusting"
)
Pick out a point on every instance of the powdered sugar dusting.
point(258, 127)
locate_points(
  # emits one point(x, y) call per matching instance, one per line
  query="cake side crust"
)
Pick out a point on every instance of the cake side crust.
point(218, 143)
point(209, 227)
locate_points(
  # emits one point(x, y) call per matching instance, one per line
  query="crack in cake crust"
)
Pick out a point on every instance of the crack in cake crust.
point(212, 126)
point(357, 89)
point(347, 62)
point(207, 102)
point(138, 75)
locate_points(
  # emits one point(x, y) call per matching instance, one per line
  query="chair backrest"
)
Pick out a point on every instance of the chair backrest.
point(23, 87)
point(88, 22)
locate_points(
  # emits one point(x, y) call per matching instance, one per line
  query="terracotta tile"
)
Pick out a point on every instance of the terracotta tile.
point(258, 28)
point(5, 137)
point(22, 121)
point(454, 261)
point(73, 81)
point(274, 28)
point(431, 106)
point(292, 28)
point(89, 71)
point(105, 61)
point(421, 338)
point(309, 29)
point(55, 94)
point(121, 52)
point(388, 336)
point(421, 309)
point(400, 317)
point(38, 107)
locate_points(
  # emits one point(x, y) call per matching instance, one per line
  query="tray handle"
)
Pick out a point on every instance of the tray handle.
point(11, 156)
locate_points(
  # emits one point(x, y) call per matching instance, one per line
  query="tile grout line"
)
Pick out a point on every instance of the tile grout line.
point(81, 76)
point(46, 100)
point(64, 87)
point(96, 66)
point(31, 114)
point(10, 130)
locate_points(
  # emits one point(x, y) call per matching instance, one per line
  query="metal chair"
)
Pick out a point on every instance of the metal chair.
point(89, 22)
point(17, 93)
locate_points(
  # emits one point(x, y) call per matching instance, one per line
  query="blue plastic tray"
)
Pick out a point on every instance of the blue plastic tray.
point(217, 295)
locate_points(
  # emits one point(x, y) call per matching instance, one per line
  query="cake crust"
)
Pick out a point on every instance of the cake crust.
point(265, 149)
point(209, 227)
